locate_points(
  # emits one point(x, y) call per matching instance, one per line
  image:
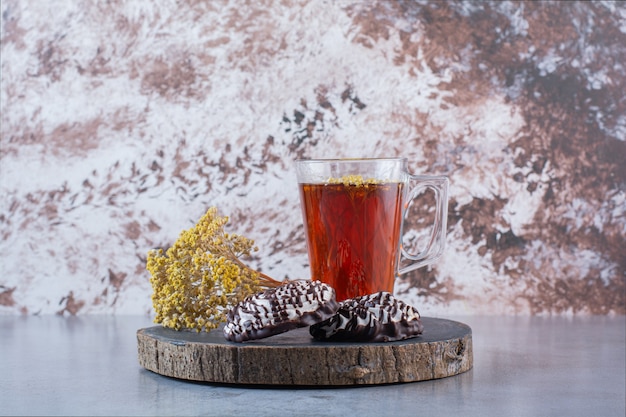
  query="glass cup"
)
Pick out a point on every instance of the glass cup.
point(354, 212)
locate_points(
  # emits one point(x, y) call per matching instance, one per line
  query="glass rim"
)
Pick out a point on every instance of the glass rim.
point(339, 160)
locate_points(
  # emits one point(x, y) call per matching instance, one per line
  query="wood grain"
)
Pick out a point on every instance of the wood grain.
point(294, 358)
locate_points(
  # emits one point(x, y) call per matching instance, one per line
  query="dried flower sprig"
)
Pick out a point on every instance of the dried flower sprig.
point(200, 277)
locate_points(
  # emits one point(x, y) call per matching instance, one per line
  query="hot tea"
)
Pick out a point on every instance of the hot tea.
point(353, 234)
point(354, 210)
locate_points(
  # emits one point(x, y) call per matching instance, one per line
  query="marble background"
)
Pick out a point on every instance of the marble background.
point(123, 121)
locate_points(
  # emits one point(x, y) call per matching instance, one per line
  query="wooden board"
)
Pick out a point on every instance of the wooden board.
point(295, 358)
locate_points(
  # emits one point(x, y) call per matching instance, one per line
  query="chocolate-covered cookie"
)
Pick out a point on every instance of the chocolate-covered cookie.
point(277, 310)
point(378, 317)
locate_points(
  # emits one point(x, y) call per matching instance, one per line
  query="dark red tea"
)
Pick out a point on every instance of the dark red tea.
point(353, 233)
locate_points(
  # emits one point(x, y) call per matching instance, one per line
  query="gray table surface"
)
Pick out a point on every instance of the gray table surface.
point(523, 366)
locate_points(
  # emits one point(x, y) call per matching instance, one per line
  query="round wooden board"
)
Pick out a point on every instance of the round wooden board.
point(295, 358)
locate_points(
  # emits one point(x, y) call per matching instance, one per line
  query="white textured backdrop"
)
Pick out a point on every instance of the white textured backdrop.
point(122, 122)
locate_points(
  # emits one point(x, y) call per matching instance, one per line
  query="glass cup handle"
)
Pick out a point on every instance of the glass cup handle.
point(437, 240)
